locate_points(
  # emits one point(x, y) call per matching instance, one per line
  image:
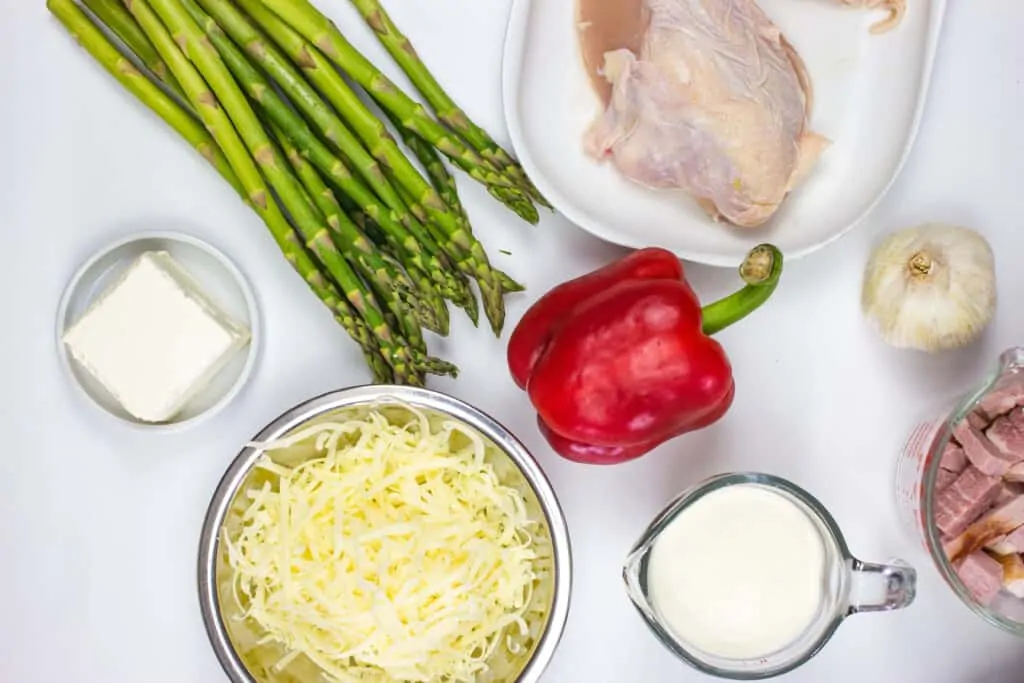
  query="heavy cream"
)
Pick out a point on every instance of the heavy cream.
point(739, 574)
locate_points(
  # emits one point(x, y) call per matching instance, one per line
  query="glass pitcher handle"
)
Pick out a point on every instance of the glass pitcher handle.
point(881, 587)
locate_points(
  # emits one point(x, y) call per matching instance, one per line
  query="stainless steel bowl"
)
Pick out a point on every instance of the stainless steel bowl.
point(235, 639)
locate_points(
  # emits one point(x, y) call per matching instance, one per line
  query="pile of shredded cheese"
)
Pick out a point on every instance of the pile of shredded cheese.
point(394, 554)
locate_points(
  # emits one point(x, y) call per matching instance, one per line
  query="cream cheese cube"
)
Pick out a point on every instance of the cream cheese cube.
point(153, 339)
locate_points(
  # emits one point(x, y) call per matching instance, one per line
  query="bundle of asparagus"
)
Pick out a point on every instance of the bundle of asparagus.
point(257, 88)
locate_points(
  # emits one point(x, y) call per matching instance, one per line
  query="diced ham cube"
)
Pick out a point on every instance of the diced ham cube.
point(994, 524)
point(1007, 492)
point(1007, 434)
point(944, 479)
point(977, 420)
point(1015, 473)
point(965, 500)
point(1010, 544)
point(981, 452)
point(982, 576)
point(1004, 398)
point(1013, 574)
point(953, 458)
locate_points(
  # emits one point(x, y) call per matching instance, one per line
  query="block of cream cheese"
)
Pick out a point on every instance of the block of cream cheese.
point(153, 339)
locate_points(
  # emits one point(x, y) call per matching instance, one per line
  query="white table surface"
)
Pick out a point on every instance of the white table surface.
point(99, 523)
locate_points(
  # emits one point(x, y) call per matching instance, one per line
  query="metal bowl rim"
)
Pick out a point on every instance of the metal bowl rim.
point(240, 467)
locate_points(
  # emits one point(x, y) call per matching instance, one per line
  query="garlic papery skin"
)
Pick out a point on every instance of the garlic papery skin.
point(931, 287)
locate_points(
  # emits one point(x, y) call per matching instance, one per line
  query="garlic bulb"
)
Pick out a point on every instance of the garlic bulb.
point(931, 287)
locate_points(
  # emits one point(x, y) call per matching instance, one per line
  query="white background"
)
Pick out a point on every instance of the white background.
point(99, 523)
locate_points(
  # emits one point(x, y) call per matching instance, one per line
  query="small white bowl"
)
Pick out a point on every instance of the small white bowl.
point(218, 277)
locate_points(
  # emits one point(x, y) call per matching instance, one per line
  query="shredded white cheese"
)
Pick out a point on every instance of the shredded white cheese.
point(394, 554)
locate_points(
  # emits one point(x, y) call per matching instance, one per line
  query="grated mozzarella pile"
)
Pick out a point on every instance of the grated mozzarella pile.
point(395, 554)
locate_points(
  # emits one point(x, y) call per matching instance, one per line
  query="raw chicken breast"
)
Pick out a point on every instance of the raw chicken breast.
point(716, 104)
point(895, 8)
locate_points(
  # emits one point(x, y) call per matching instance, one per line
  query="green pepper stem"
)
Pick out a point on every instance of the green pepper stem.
point(760, 270)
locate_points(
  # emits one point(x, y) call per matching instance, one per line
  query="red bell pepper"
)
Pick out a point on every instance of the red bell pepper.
point(578, 451)
point(619, 361)
point(538, 324)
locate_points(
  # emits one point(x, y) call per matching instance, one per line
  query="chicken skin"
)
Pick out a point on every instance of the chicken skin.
point(716, 104)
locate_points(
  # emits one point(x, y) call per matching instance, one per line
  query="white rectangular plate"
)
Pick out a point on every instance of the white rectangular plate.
point(869, 92)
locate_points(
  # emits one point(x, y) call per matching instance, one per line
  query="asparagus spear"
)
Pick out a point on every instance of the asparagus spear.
point(398, 314)
point(428, 257)
point(116, 18)
point(394, 282)
point(471, 260)
point(357, 329)
point(445, 185)
point(450, 253)
point(398, 45)
point(250, 139)
point(457, 291)
point(410, 236)
point(428, 157)
point(343, 311)
point(330, 43)
point(382, 280)
point(369, 128)
point(121, 68)
point(260, 90)
point(306, 21)
point(428, 292)
point(310, 223)
point(438, 173)
point(334, 88)
point(467, 253)
point(96, 43)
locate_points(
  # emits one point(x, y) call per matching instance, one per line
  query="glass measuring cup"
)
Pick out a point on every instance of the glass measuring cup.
point(917, 472)
point(849, 585)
